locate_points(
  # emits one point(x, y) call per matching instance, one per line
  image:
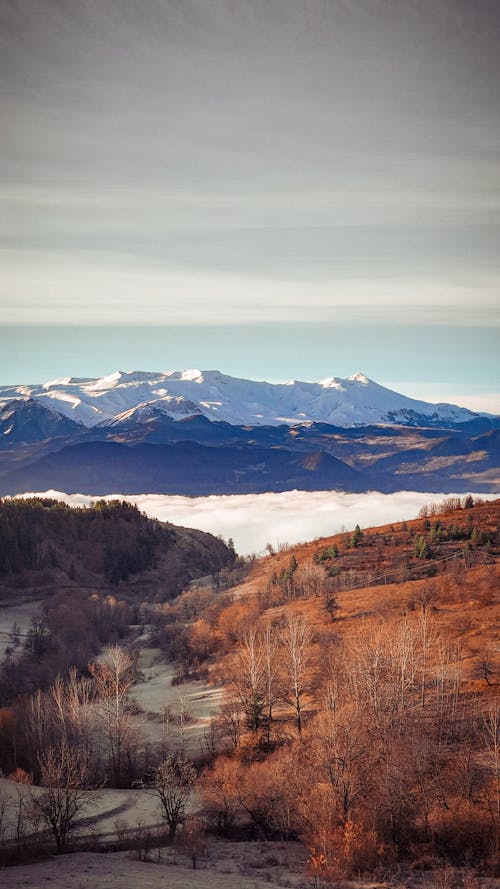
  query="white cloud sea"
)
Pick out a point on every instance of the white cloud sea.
point(253, 520)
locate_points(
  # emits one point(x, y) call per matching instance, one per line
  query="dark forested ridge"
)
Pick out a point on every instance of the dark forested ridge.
point(87, 572)
point(44, 544)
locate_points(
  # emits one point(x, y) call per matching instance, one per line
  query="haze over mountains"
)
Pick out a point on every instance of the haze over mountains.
point(199, 433)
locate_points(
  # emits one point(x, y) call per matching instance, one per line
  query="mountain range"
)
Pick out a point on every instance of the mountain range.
point(192, 432)
point(356, 400)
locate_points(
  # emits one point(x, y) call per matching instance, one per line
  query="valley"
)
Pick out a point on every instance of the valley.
point(375, 712)
point(249, 444)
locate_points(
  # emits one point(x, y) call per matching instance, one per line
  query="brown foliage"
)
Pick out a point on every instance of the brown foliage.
point(390, 753)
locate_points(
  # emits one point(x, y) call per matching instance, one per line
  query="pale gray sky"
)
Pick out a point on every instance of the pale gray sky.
point(250, 161)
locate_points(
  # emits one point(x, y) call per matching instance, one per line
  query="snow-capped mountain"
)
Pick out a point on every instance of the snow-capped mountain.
point(26, 421)
point(340, 402)
point(146, 432)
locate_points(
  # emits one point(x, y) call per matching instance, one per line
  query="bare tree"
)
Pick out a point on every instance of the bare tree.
point(492, 740)
point(270, 646)
point(342, 755)
point(225, 727)
point(63, 714)
point(113, 679)
point(249, 677)
point(192, 838)
point(402, 666)
point(21, 816)
point(427, 635)
point(311, 579)
point(63, 797)
point(220, 792)
point(172, 782)
point(484, 668)
point(296, 638)
point(367, 671)
point(71, 702)
point(39, 727)
point(181, 717)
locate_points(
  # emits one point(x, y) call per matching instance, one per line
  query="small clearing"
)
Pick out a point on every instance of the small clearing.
point(19, 613)
point(162, 704)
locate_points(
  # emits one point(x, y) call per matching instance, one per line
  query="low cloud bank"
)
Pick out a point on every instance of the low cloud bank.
point(253, 520)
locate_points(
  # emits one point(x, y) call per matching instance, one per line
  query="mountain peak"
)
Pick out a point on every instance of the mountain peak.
point(60, 381)
point(26, 421)
point(354, 401)
point(358, 378)
point(193, 373)
point(331, 383)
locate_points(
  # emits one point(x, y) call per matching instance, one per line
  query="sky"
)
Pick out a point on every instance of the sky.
point(272, 188)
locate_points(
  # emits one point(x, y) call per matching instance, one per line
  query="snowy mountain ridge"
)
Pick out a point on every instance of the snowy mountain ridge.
point(353, 401)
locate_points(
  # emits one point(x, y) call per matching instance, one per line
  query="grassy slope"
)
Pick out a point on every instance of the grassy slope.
point(463, 594)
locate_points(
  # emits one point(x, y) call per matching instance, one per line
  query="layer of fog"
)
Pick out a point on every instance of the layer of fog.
point(253, 520)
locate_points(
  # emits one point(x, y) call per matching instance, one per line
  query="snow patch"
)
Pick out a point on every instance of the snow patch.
point(192, 374)
point(60, 381)
point(330, 383)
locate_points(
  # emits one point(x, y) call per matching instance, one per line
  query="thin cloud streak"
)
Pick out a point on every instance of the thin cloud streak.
point(249, 146)
point(173, 295)
point(253, 520)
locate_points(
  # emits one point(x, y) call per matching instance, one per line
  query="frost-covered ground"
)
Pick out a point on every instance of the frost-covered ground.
point(162, 704)
point(221, 866)
point(111, 810)
point(20, 614)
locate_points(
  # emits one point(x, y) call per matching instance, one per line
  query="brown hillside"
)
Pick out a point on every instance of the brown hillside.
point(362, 678)
point(381, 576)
